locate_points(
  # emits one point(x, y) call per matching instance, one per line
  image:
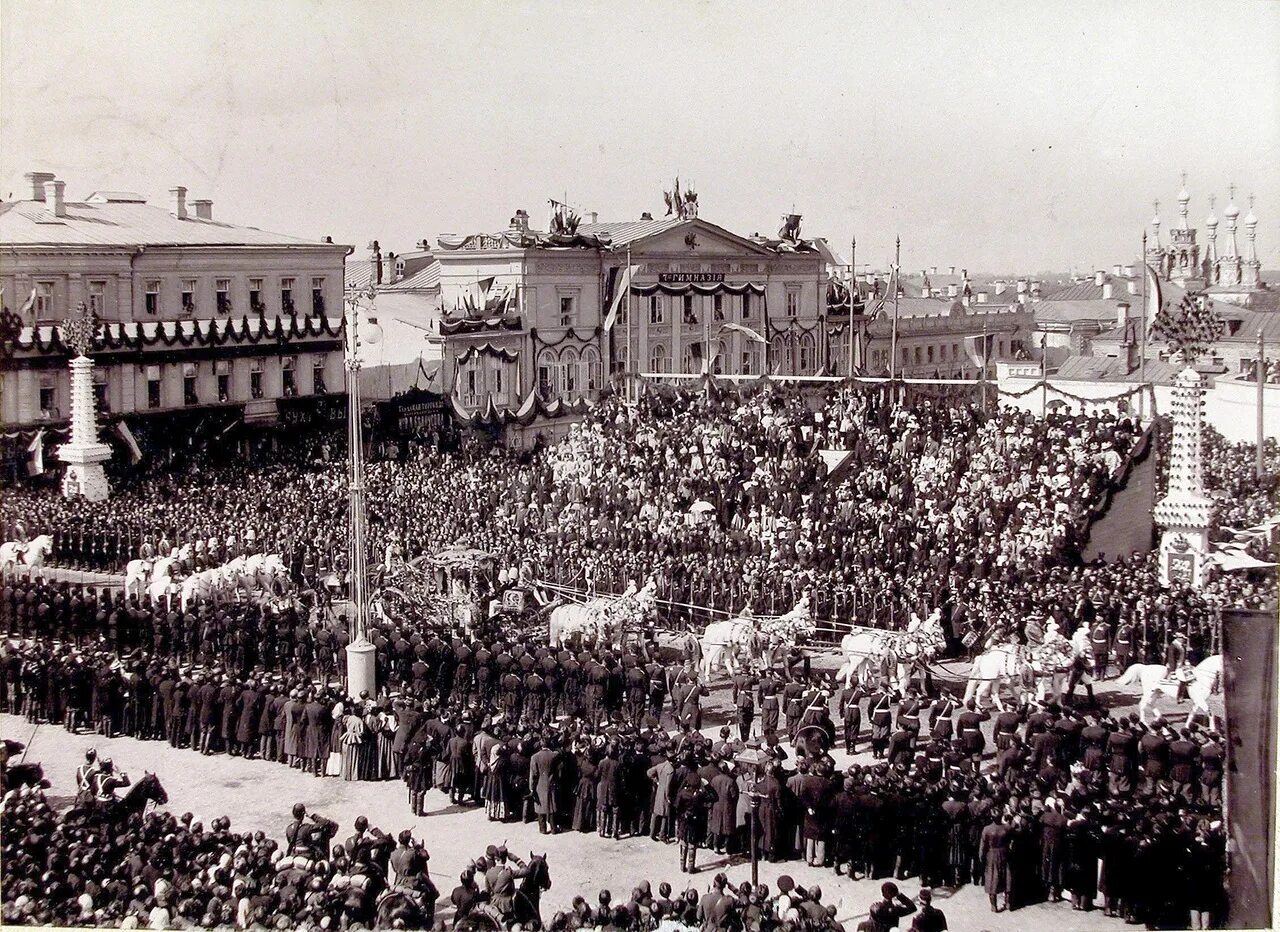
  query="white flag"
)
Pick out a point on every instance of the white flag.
point(619, 295)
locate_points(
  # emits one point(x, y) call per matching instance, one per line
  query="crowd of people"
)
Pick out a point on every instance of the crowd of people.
point(727, 505)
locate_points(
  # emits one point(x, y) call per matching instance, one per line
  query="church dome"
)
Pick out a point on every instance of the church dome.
point(1232, 211)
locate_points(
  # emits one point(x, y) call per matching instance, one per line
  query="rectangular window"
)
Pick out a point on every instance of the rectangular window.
point(255, 296)
point(793, 304)
point(746, 305)
point(151, 298)
point(289, 383)
point(153, 386)
point(189, 396)
point(48, 401)
point(97, 298)
point(100, 397)
point(223, 287)
point(44, 301)
point(255, 380)
point(566, 310)
point(286, 295)
point(930, 353)
point(690, 317)
point(657, 310)
point(224, 387)
point(545, 380)
point(188, 295)
point(317, 378)
point(717, 308)
point(317, 296)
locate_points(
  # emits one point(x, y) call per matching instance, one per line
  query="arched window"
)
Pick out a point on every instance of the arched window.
point(548, 374)
point(779, 356)
point(808, 354)
point(569, 380)
point(591, 369)
point(658, 358)
point(722, 363)
point(688, 361)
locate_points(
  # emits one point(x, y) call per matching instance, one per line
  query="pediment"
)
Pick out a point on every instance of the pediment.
point(696, 238)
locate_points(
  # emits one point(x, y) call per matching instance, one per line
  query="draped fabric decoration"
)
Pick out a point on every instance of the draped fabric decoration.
point(455, 325)
point(1080, 399)
point(114, 335)
point(533, 408)
point(570, 334)
point(488, 349)
point(644, 291)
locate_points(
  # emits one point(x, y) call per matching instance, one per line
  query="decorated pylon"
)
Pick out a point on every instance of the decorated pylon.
point(1185, 511)
point(84, 454)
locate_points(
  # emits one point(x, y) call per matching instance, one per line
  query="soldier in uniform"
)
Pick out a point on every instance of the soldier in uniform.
point(1175, 659)
point(1100, 648)
point(768, 693)
point(851, 716)
point(880, 712)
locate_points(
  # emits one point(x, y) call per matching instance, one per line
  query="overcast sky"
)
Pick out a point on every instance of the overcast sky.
point(995, 136)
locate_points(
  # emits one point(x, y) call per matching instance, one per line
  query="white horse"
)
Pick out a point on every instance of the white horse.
point(261, 569)
point(162, 585)
point(1053, 658)
point(1154, 679)
point(723, 641)
point(137, 576)
point(590, 620)
point(203, 585)
point(1001, 665)
point(30, 555)
point(862, 649)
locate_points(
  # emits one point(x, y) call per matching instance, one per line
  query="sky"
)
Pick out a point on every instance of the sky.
point(998, 137)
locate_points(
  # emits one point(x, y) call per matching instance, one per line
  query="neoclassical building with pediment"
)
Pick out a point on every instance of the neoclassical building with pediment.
point(530, 318)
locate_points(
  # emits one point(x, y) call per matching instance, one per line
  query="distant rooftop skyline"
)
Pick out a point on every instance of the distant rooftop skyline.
point(1001, 137)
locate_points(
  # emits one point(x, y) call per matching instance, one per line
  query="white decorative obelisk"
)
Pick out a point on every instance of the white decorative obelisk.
point(1185, 512)
point(84, 454)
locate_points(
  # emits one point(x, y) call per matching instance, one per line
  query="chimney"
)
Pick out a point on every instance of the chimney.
point(179, 202)
point(1098, 276)
point(204, 209)
point(1122, 316)
point(1035, 289)
point(595, 217)
point(1001, 286)
point(952, 270)
point(375, 261)
point(1128, 271)
point(53, 197)
point(646, 216)
point(952, 290)
point(1116, 270)
point(933, 270)
point(390, 275)
point(1133, 286)
point(37, 180)
point(1022, 286)
point(520, 221)
point(1107, 289)
point(982, 297)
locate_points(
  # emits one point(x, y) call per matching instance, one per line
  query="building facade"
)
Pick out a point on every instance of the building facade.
point(194, 313)
point(553, 316)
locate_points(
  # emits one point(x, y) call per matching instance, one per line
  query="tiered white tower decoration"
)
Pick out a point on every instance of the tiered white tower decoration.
point(1185, 511)
point(84, 454)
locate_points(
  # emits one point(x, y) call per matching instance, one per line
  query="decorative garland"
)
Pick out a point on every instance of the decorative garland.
point(571, 333)
point(703, 289)
point(114, 335)
point(488, 349)
point(450, 327)
point(1081, 399)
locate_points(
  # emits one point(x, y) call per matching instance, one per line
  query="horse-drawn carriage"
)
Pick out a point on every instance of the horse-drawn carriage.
point(750, 640)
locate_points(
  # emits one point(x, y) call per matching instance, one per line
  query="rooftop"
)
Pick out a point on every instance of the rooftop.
point(123, 219)
point(1113, 369)
point(1070, 312)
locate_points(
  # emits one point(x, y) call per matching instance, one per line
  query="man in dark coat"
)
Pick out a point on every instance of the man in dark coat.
point(542, 783)
point(247, 719)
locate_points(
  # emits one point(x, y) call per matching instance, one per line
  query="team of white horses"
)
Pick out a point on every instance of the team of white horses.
point(29, 556)
point(242, 575)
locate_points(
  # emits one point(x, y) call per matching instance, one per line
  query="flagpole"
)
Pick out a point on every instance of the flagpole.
point(626, 372)
point(985, 357)
point(1142, 359)
point(853, 285)
point(893, 333)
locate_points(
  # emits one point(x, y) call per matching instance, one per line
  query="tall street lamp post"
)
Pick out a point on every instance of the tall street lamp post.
point(361, 658)
point(752, 760)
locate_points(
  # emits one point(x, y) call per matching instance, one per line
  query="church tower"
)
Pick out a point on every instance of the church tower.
point(1229, 263)
point(1183, 262)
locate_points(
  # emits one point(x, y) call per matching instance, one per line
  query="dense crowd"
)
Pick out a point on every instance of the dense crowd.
point(727, 505)
point(939, 504)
